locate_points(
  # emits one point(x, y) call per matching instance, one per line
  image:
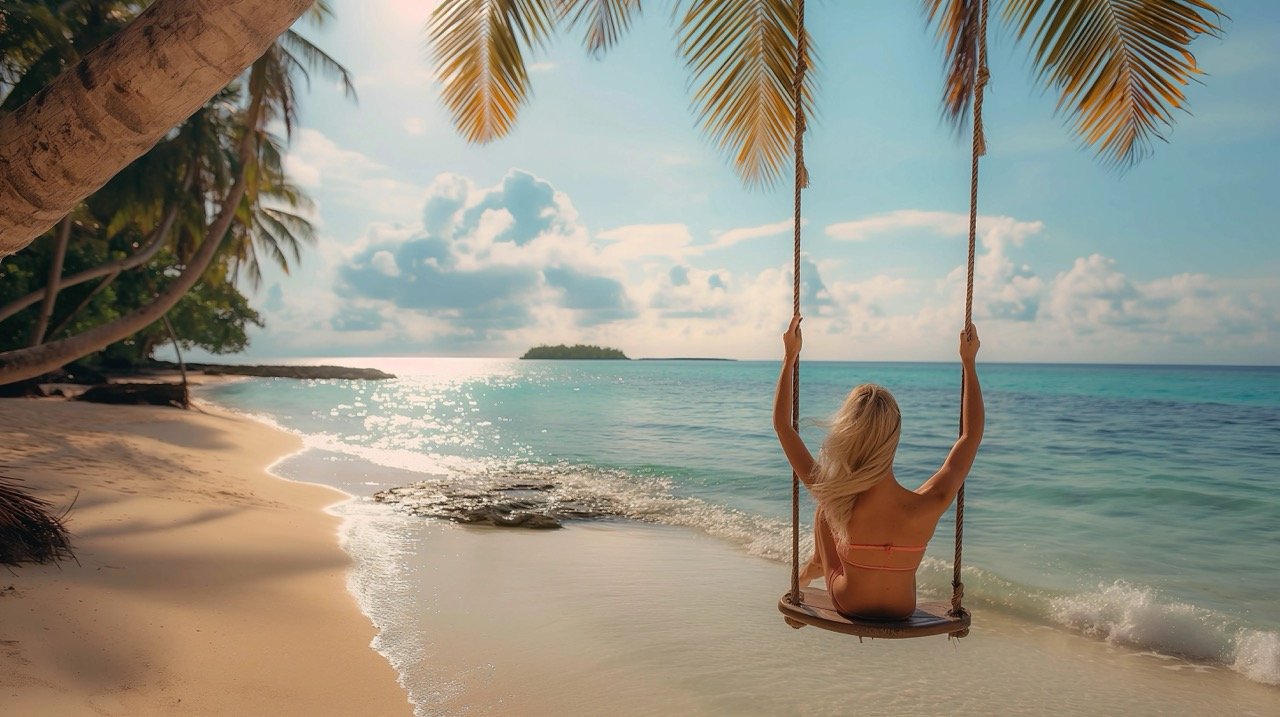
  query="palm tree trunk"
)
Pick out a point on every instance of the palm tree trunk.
point(52, 286)
point(31, 362)
point(173, 337)
point(117, 102)
point(71, 316)
point(182, 366)
point(149, 249)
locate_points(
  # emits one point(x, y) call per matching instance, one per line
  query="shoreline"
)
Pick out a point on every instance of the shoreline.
point(479, 620)
point(664, 619)
point(486, 620)
point(206, 583)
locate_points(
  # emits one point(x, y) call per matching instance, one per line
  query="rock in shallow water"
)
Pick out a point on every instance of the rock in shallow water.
point(497, 501)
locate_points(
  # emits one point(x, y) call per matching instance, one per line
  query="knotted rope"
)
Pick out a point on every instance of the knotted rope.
point(979, 149)
point(802, 181)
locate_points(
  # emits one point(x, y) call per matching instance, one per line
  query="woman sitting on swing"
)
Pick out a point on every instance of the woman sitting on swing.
point(869, 531)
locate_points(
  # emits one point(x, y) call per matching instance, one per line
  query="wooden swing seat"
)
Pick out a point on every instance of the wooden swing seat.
point(930, 618)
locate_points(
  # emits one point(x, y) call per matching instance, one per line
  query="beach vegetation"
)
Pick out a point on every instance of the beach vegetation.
point(172, 235)
point(107, 108)
point(30, 532)
point(577, 351)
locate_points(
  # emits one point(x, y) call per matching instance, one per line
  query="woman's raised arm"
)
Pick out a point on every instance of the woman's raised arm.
point(947, 481)
point(797, 453)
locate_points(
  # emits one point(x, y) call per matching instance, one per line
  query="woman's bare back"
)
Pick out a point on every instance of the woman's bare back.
point(872, 574)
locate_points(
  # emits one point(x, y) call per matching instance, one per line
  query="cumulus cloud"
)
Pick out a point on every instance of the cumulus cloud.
point(314, 161)
point(490, 270)
point(483, 263)
point(385, 262)
point(636, 241)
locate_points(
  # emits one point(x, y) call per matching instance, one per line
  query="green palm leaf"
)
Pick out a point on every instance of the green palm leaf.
point(1120, 65)
point(742, 56)
point(304, 55)
point(479, 57)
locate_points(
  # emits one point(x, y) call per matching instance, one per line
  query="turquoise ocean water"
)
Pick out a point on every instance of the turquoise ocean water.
point(1137, 504)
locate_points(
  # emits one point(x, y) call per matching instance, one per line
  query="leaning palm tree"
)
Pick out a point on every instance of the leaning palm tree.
point(119, 100)
point(1119, 66)
point(155, 197)
point(270, 89)
point(43, 37)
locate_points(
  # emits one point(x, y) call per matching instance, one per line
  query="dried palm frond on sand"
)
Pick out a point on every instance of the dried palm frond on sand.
point(29, 531)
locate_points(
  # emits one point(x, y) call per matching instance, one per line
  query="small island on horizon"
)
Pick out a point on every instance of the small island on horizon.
point(577, 351)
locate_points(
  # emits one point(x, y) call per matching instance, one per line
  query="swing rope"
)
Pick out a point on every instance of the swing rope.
point(982, 76)
point(802, 181)
point(979, 149)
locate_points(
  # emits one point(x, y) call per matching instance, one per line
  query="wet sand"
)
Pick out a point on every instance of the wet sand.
point(633, 619)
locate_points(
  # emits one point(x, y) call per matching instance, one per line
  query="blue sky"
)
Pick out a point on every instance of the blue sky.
point(606, 218)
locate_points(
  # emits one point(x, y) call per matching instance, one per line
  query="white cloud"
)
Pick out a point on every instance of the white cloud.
point(938, 223)
point(1091, 292)
point(734, 236)
point(315, 162)
point(864, 229)
point(635, 241)
point(490, 270)
point(415, 126)
point(542, 66)
point(385, 262)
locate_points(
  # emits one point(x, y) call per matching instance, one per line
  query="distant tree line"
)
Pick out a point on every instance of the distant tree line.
point(577, 351)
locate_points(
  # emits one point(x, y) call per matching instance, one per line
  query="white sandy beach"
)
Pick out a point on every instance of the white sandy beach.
point(633, 619)
point(204, 586)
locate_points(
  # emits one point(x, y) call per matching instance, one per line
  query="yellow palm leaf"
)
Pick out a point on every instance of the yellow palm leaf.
point(1120, 65)
point(604, 20)
point(479, 57)
point(742, 56)
point(957, 22)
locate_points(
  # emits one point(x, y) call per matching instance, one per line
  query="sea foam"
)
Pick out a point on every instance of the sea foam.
point(1120, 613)
point(1140, 617)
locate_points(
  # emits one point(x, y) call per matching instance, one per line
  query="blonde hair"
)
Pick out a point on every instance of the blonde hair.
point(857, 454)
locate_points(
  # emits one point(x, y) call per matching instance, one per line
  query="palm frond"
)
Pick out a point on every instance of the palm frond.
point(273, 238)
point(479, 57)
point(742, 57)
point(604, 20)
point(1120, 65)
point(319, 13)
point(30, 532)
point(317, 59)
point(293, 228)
point(285, 194)
point(270, 157)
point(248, 263)
point(957, 27)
